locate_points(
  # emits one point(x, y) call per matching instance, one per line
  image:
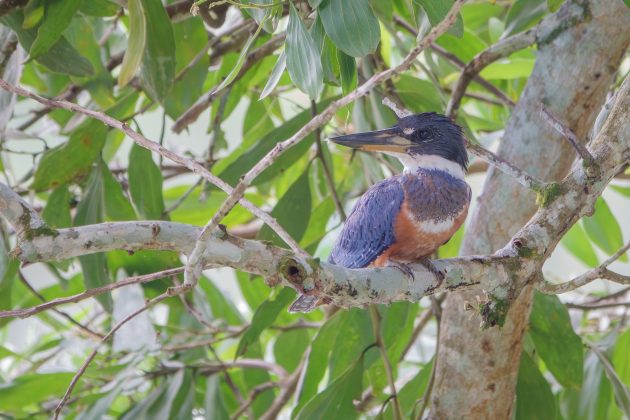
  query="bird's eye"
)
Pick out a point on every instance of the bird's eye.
point(424, 134)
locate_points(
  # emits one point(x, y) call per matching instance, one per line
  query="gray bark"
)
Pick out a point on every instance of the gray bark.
point(476, 370)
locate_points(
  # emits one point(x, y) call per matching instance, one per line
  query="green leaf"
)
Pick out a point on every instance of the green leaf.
point(318, 358)
point(515, 68)
point(347, 72)
point(356, 335)
point(523, 14)
point(593, 399)
point(621, 190)
point(626, 2)
point(554, 5)
point(26, 390)
point(264, 317)
point(534, 399)
point(245, 157)
point(145, 183)
point(220, 305)
point(436, 12)
point(337, 400)
point(620, 390)
point(58, 16)
point(411, 391)
point(556, 342)
point(303, 61)
point(275, 76)
point(57, 211)
point(158, 62)
point(91, 210)
point(191, 38)
point(604, 229)
point(578, 244)
point(213, 400)
point(621, 361)
point(72, 160)
point(33, 13)
point(240, 61)
point(8, 274)
point(99, 8)
point(292, 211)
point(290, 347)
point(62, 57)
point(135, 45)
point(117, 206)
point(351, 25)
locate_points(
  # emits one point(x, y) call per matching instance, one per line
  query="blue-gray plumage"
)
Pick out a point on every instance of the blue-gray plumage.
point(409, 216)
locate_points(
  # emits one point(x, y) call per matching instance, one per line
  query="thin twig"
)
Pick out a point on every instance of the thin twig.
point(327, 173)
point(502, 97)
point(73, 321)
point(191, 164)
point(192, 267)
point(288, 387)
point(600, 272)
point(109, 335)
point(569, 135)
point(501, 49)
point(378, 335)
point(27, 312)
point(253, 394)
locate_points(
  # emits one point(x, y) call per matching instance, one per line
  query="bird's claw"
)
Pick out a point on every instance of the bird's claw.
point(428, 264)
point(404, 268)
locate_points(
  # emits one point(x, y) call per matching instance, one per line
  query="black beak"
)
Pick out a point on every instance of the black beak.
point(387, 140)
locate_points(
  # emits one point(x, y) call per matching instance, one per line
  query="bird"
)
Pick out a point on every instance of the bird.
point(407, 217)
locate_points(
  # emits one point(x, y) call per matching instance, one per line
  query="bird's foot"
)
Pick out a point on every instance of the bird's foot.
point(406, 270)
point(428, 264)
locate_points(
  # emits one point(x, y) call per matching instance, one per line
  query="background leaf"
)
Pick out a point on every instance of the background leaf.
point(303, 61)
point(351, 25)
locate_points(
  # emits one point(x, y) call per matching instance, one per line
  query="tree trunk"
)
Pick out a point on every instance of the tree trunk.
point(476, 370)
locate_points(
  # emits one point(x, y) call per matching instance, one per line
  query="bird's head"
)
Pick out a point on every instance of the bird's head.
point(413, 138)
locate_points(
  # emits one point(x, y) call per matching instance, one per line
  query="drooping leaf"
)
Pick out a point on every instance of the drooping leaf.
point(604, 229)
point(117, 206)
point(99, 8)
point(556, 342)
point(145, 183)
point(57, 17)
point(411, 391)
point(554, 5)
point(289, 348)
point(347, 72)
point(578, 244)
point(351, 25)
point(534, 399)
point(523, 14)
point(240, 61)
point(57, 211)
point(158, 61)
point(61, 57)
point(620, 389)
point(135, 46)
point(72, 160)
point(220, 305)
point(24, 390)
point(91, 209)
point(436, 12)
point(303, 61)
point(264, 317)
point(274, 78)
point(593, 399)
point(213, 401)
point(336, 401)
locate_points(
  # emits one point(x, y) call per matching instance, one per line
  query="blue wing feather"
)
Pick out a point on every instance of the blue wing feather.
point(369, 229)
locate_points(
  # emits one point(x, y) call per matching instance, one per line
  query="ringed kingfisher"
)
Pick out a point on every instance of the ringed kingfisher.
point(407, 217)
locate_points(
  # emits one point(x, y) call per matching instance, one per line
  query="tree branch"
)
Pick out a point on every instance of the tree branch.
point(568, 134)
point(600, 272)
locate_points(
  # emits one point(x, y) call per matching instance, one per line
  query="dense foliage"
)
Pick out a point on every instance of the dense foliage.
point(223, 82)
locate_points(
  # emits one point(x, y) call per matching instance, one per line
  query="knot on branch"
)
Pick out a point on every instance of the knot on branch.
point(548, 193)
point(294, 272)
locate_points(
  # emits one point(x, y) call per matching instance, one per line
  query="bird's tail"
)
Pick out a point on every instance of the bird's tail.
point(305, 303)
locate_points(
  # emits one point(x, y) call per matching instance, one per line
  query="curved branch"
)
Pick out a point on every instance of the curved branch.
point(496, 51)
